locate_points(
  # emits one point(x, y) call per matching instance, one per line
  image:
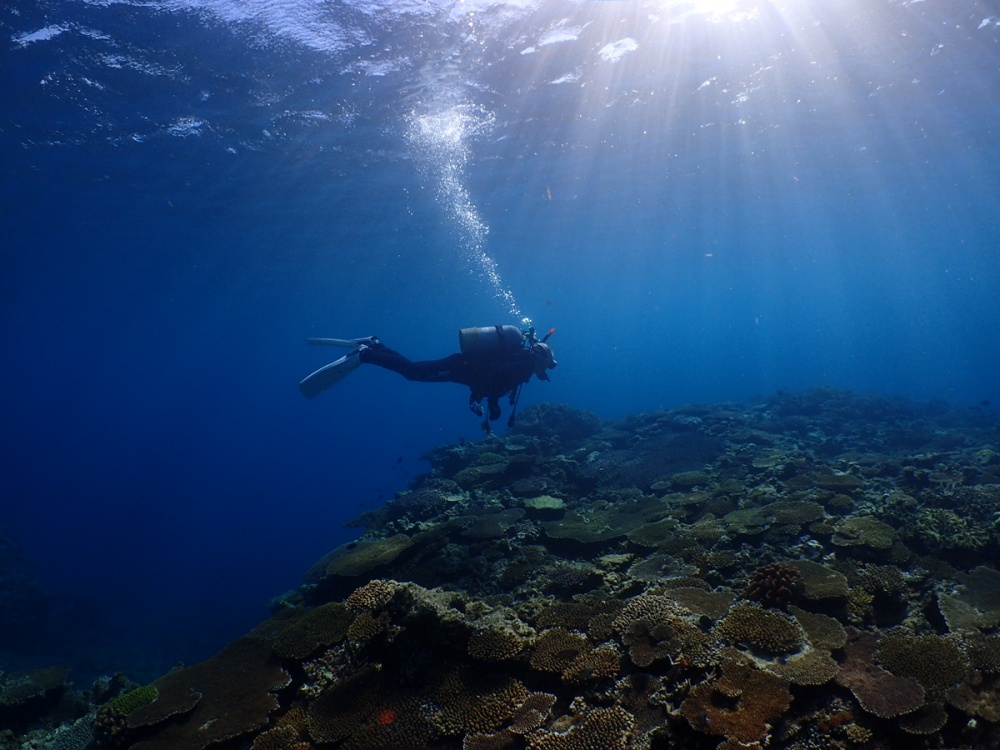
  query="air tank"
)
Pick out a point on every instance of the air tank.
point(489, 339)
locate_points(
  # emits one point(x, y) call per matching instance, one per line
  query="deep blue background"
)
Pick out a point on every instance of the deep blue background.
point(784, 199)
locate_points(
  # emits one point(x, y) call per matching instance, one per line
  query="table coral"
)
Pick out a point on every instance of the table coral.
point(879, 692)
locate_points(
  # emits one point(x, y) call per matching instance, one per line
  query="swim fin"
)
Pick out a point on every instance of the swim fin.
point(333, 373)
point(346, 343)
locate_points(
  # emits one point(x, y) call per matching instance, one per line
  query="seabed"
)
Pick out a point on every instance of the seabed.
point(815, 570)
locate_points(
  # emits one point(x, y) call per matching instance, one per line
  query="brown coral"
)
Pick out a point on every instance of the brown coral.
point(600, 729)
point(236, 689)
point(494, 645)
point(742, 705)
point(760, 629)
point(774, 585)
point(373, 595)
point(935, 662)
point(879, 692)
point(323, 626)
point(556, 649)
point(600, 664)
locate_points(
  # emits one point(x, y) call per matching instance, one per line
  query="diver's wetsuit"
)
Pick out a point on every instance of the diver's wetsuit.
point(489, 375)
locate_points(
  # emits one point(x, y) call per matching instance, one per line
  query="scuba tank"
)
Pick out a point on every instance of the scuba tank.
point(489, 339)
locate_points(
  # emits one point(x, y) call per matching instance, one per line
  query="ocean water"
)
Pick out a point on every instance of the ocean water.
point(708, 200)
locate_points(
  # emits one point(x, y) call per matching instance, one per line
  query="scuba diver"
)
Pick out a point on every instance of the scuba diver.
point(494, 361)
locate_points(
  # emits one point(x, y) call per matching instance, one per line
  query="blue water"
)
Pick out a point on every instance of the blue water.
point(708, 200)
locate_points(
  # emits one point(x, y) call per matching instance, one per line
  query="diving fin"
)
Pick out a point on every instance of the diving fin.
point(333, 373)
point(346, 343)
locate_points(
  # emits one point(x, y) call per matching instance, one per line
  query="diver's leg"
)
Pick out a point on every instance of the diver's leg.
point(427, 371)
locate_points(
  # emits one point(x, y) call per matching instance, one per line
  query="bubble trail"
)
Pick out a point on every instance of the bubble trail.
point(440, 140)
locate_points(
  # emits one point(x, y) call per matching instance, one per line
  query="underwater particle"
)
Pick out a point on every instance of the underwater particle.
point(741, 705)
point(774, 585)
point(879, 692)
point(863, 531)
point(761, 629)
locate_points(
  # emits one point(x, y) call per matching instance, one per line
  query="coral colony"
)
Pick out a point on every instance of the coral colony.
point(812, 571)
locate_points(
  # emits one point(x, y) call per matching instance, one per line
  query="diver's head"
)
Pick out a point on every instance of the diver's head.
point(544, 359)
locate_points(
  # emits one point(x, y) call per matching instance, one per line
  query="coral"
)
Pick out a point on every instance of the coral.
point(600, 664)
point(656, 568)
point(943, 529)
point(879, 692)
point(236, 689)
point(362, 557)
point(773, 585)
point(741, 705)
point(863, 531)
point(318, 628)
point(110, 727)
point(794, 512)
point(710, 604)
point(367, 626)
point(983, 652)
point(760, 629)
point(926, 720)
point(977, 605)
point(17, 690)
point(934, 661)
point(556, 649)
point(494, 645)
point(531, 714)
point(470, 701)
point(882, 581)
point(490, 525)
point(823, 631)
point(810, 668)
point(820, 582)
point(653, 628)
point(977, 696)
point(599, 729)
point(373, 595)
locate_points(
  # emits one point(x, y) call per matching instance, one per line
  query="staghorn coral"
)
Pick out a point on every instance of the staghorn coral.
point(773, 585)
point(742, 705)
point(879, 692)
point(760, 629)
point(236, 689)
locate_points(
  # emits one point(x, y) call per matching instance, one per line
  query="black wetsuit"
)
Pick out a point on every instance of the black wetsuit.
point(489, 375)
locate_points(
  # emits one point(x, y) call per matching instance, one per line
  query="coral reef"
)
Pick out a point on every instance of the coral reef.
point(815, 570)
